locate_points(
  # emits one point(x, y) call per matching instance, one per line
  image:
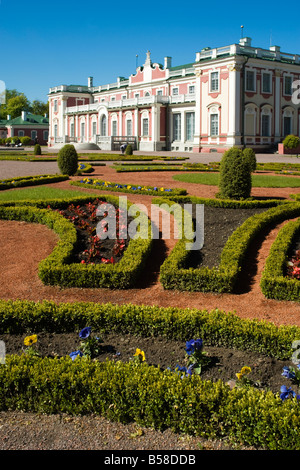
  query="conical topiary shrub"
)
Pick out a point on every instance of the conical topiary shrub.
point(67, 160)
point(37, 150)
point(235, 175)
point(128, 150)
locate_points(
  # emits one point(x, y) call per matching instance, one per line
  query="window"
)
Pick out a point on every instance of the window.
point(147, 93)
point(20, 133)
point(136, 95)
point(191, 89)
point(190, 126)
point(72, 129)
point(33, 135)
point(214, 125)
point(103, 125)
point(175, 91)
point(55, 106)
point(159, 92)
point(265, 125)
point(177, 126)
point(214, 81)
point(55, 131)
point(287, 125)
point(288, 86)
point(94, 128)
point(145, 126)
point(250, 80)
point(113, 98)
point(266, 83)
point(45, 135)
point(129, 127)
point(82, 129)
point(114, 129)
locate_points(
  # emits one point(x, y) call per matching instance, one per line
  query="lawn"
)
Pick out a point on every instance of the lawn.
point(40, 192)
point(258, 181)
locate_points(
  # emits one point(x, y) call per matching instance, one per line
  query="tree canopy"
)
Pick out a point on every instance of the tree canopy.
point(16, 102)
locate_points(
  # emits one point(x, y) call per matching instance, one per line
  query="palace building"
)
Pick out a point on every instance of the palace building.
point(236, 95)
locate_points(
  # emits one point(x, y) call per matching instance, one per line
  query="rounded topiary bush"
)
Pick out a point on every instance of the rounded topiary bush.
point(26, 140)
point(128, 150)
point(37, 150)
point(249, 155)
point(67, 160)
point(235, 175)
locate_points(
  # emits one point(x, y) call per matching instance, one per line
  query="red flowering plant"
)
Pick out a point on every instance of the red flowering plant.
point(90, 248)
point(293, 266)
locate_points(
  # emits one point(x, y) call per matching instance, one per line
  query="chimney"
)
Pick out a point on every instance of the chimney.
point(24, 115)
point(167, 62)
point(275, 48)
point(90, 82)
point(245, 42)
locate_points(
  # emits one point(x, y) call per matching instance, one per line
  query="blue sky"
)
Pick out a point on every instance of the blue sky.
point(45, 44)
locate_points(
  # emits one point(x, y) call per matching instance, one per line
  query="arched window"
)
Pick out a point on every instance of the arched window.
point(103, 125)
point(266, 121)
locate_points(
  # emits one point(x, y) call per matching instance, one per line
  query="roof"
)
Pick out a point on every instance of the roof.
point(29, 120)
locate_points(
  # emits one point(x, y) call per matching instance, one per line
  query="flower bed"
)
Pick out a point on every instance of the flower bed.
point(127, 188)
point(58, 268)
point(275, 281)
point(136, 390)
point(31, 181)
point(175, 273)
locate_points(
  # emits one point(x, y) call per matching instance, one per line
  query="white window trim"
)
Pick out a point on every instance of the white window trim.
point(265, 72)
point(175, 91)
point(266, 111)
point(284, 77)
point(210, 81)
point(254, 80)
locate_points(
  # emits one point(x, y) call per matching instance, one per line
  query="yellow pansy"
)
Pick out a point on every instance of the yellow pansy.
point(140, 354)
point(245, 370)
point(29, 340)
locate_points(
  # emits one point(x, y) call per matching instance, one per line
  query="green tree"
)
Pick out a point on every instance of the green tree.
point(38, 107)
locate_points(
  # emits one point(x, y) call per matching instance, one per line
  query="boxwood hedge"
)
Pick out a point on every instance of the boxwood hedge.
point(275, 284)
point(145, 394)
point(175, 275)
point(57, 268)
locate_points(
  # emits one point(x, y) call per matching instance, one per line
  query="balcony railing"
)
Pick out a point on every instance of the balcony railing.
point(131, 103)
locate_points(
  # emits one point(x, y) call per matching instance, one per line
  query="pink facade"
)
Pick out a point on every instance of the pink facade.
point(232, 95)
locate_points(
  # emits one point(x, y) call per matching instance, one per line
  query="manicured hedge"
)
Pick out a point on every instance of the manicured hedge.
point(145, 394)
point(274, 282)
point(174, 274)
point(216, 327)
point(151, 397)
point(31, 181)
point(57, 268)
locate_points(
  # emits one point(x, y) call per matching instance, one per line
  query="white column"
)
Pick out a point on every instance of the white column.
point(277, 107)
point(234, 99)
point(197, 133)
point(154, 126)
point(120, 123)
point(62, 128)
